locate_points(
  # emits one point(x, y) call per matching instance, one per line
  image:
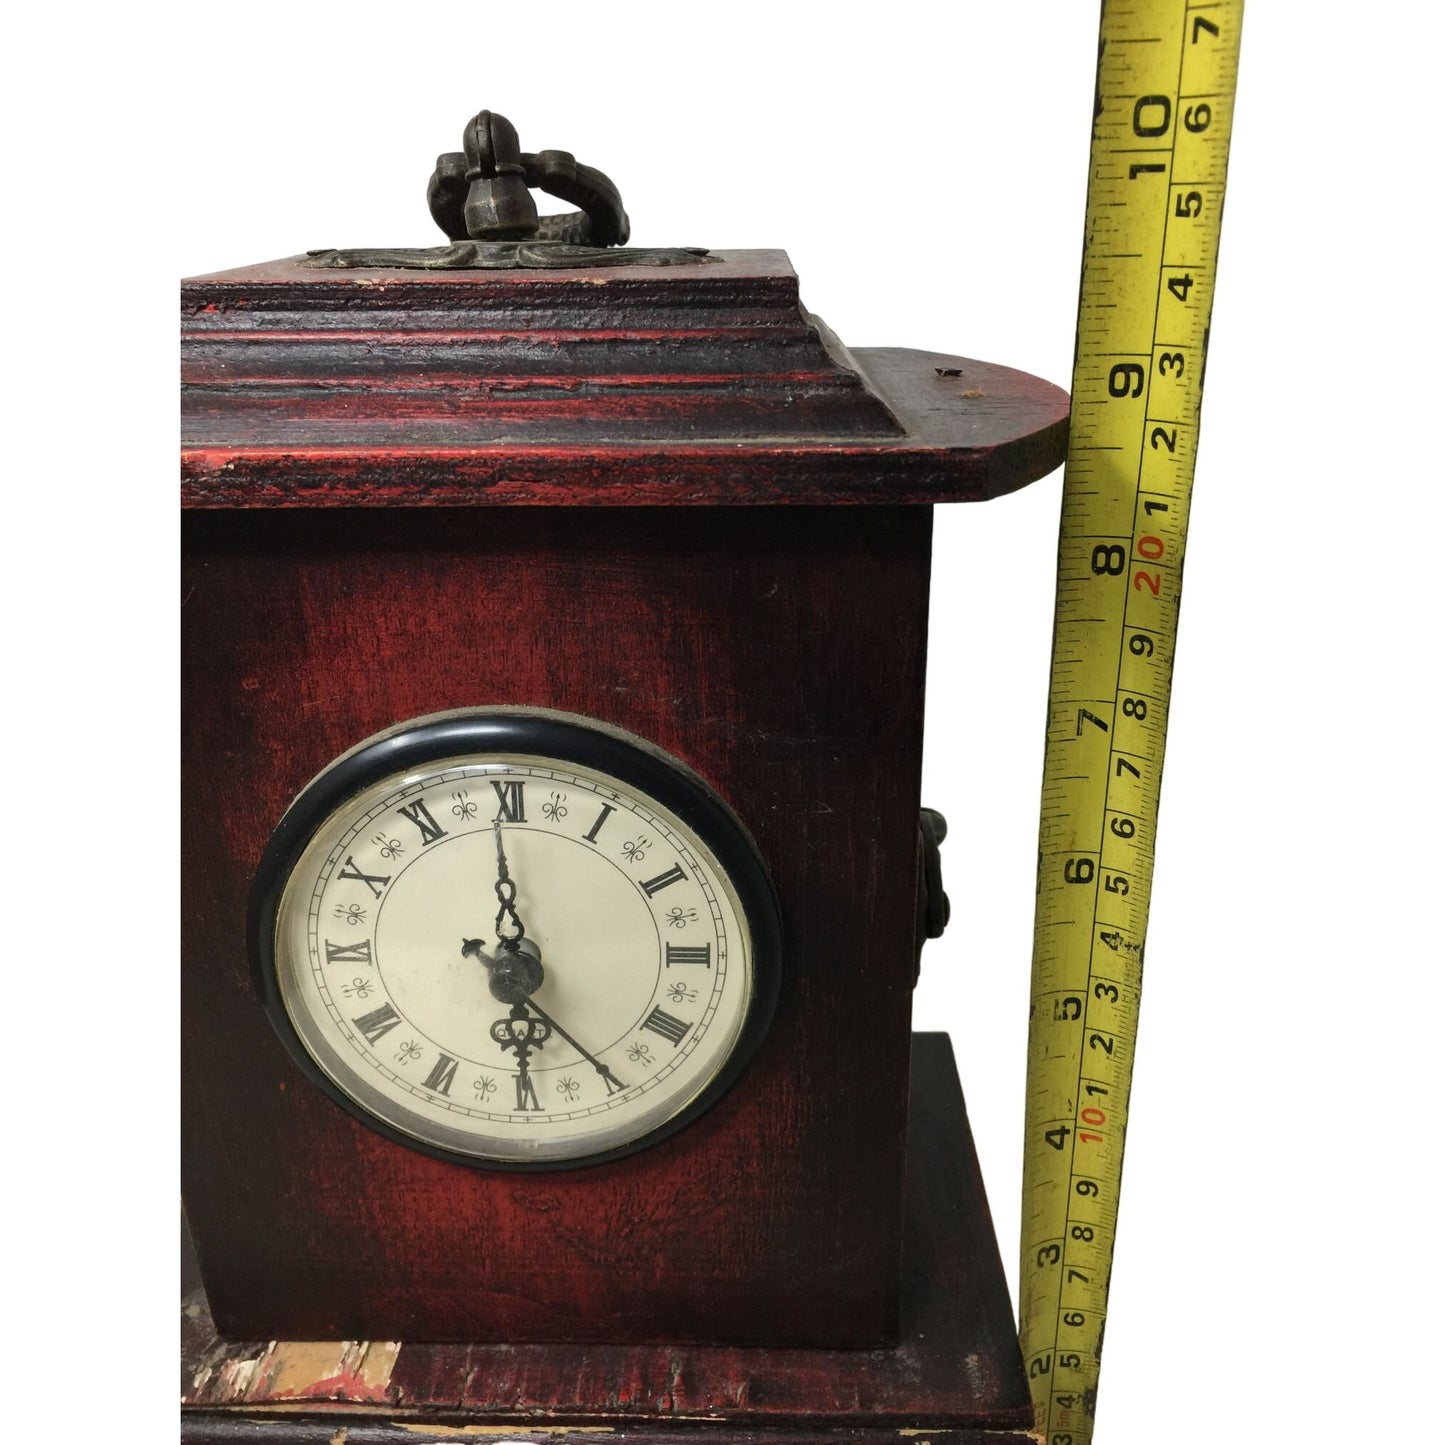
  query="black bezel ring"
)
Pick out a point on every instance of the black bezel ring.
point(484, 732)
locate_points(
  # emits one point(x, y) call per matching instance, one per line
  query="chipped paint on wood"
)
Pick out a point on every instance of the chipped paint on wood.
point(357, 1372)
point(235, 1378)
point(510, 1432)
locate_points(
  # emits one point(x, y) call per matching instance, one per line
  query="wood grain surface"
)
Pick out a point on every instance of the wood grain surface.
point(785, 665)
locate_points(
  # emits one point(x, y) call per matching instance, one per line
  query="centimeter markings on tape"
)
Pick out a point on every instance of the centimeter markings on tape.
point(1156, 190)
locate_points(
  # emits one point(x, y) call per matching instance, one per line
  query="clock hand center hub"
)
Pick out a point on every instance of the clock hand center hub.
point(513, 974)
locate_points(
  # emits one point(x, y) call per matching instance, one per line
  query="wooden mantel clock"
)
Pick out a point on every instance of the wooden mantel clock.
point(554, 880)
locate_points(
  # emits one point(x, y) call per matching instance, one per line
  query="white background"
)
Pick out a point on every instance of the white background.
point(1277, 1268)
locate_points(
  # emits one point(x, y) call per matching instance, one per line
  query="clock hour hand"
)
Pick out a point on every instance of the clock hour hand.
point(519, 1033)
point(511, 977)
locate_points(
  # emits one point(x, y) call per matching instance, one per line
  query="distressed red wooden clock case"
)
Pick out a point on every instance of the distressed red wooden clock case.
point(664, 497)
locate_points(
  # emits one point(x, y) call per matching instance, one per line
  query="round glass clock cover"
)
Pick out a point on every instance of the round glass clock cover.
point(519, 938)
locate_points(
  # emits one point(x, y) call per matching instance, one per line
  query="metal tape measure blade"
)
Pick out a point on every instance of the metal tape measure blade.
point(1156, 190)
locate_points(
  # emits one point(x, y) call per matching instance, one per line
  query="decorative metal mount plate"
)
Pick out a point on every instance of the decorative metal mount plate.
point(504, 256)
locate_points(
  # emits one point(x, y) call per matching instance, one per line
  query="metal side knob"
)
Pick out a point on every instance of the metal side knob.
point(933, 905)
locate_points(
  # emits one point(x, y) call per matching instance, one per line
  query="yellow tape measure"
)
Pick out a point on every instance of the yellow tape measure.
point(1156, 190)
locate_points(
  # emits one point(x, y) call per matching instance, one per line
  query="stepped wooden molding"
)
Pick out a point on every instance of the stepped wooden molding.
point(314, 387)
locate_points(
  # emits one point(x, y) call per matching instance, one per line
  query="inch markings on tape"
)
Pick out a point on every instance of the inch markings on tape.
point(1157, 166)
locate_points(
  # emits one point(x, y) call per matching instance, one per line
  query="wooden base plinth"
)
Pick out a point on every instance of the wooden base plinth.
point(956, 1375)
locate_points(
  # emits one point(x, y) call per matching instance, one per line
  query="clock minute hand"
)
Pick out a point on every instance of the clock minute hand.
point(513, 984)
point(614, 1084)
point(506, 891)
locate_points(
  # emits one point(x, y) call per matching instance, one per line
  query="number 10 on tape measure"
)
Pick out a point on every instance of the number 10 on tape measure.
point(1156, 192)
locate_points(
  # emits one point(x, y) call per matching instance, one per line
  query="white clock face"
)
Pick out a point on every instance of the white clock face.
point(512, 958)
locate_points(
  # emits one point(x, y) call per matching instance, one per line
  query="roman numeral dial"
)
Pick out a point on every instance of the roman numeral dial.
point(662, 1022)
point(376, 882)
point(511, 802)
point(443, 1071)
point(654, 886)
point(359, 952)
point(515, 958)
point(527, 1100)
point(420, 814)
point(378, 1023)
point(685, 956)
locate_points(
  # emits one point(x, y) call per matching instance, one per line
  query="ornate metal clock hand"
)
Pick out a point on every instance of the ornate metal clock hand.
point(514, 978)
point(520, 1033)
point(515, 975)
point(614, 1084)
point(512, 975)
point(506, 891)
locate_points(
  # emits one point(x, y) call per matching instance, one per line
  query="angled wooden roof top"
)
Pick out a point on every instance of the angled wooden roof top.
point(692, 384)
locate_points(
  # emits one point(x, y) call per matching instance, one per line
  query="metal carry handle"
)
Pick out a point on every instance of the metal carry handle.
point(483, 192)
